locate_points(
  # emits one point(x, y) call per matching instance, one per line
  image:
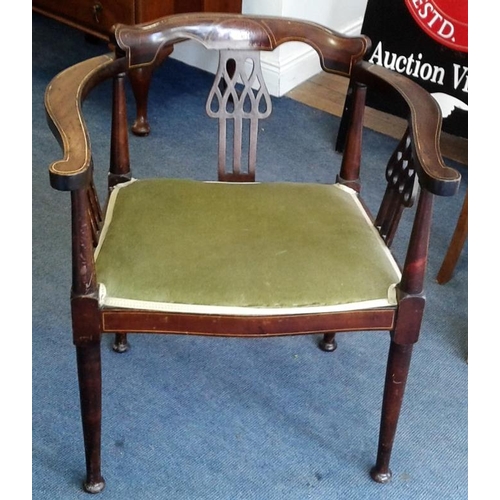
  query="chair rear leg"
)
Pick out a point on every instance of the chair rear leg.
point(397, 372)
point(121, 343)
point(88, 355)
point(328, 343)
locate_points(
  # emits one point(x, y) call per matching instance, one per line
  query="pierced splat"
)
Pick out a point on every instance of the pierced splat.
point(239, 93)
point(401, 189)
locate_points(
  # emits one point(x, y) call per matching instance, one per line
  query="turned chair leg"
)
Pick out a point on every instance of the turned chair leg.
point(121, 343)
point(328, 343)
point(89, 378)
point(397, 372)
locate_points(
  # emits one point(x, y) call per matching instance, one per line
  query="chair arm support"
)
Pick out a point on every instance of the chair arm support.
point(424, 123)
point(63, 104)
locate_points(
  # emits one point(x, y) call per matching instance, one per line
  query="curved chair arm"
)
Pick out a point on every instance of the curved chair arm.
point(142, 43)
point(66, 122)
point(424, 123)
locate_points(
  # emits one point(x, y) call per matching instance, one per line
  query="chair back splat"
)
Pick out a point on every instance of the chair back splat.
point(401, 189)
point(232, 106)
point(238, 258)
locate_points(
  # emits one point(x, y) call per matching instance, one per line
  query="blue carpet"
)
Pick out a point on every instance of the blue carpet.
point(212, 419)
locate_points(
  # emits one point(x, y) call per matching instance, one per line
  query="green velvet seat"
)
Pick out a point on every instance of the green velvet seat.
point(241, 248)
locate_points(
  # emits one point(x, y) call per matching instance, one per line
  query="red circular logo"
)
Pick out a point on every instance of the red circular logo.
point(446, 21)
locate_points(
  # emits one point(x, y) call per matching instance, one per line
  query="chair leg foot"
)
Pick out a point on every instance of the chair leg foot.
point(94, 487)
point(379, 476)
point(328, 343)
point(121, 343)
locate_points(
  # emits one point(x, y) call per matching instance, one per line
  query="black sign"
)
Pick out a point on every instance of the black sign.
point(426, 40)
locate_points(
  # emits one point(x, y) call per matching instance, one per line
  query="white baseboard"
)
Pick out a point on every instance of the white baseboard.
point(285, 73)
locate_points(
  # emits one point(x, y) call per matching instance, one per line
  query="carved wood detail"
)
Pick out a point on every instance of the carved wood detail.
point(401, 189)
point(239, 93)
point(95, 213)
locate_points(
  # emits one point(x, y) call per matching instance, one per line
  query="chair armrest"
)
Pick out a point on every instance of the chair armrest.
point(63, 101)
point(424, 124)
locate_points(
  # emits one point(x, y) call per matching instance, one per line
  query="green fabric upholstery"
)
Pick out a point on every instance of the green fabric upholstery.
point(171, 243)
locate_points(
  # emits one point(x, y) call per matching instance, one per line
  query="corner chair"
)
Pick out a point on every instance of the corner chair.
point(292, 258)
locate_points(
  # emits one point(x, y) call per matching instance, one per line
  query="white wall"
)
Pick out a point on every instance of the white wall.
point(294, 62)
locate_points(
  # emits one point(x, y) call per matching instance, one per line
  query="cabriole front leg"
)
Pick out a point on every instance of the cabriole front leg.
point(140, 80)
point(397, 372)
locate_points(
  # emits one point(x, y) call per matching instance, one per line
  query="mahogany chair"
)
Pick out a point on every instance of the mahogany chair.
point(297, 258)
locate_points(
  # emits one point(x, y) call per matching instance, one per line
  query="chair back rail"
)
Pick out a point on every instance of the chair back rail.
point(143, 43)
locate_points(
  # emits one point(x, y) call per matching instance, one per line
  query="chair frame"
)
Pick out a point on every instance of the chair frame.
point(417, 157)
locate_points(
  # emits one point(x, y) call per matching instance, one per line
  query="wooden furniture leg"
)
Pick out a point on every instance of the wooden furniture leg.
point(140, 80)
point(395, 382)
point(328, 342)
point(121, 343)
point(89, 378)
point(457, 242)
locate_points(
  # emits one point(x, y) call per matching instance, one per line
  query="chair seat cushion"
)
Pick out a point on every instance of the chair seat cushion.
point(241, 248)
